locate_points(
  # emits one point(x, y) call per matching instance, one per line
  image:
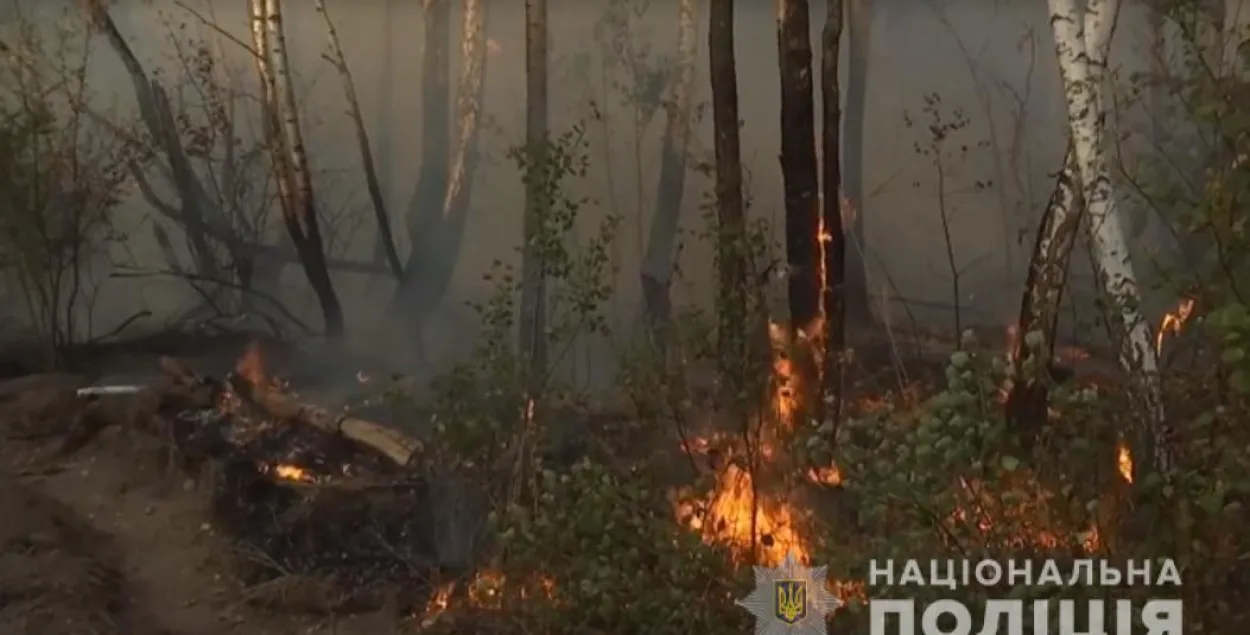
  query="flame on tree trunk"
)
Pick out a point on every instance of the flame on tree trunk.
point(657, 264)
point(805, 266)
point(1082, 69)
point(832, 235)
point(533, 343)
point(299, 210)
point(731, 224)
point(1043, 291)
point(440, 228)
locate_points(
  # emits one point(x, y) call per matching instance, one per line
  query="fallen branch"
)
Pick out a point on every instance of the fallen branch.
point(392, 444)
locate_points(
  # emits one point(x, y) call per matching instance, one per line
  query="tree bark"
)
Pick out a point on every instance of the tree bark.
point(832, 236)
point(859, 44)
point(1082, 68)
point(798, 166)
point(468, 108)
point(301, 216)
point(533, 345)
point(732, 285)
point(1043, 292)
point(435, 118)
point(657, 264)
point(436, 249)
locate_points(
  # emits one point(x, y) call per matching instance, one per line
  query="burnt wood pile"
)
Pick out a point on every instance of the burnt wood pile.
point(331, 513)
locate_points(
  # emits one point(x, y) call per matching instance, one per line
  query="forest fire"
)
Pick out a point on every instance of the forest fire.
point(1173, 321)
point(758, 527)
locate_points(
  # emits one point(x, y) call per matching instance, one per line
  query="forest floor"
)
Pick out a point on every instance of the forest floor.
point(111, 539)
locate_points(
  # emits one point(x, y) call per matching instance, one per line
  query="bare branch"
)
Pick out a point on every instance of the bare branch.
point(339, 60)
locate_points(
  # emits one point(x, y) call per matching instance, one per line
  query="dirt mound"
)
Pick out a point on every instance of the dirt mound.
point(58, 575)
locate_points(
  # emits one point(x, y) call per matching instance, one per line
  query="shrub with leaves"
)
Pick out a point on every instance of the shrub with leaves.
point(62, 177)
point(614, 556)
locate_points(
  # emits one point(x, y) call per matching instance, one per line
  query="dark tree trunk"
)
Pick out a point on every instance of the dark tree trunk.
point(832, 234)
point(732, 286)
point(657, 264)
point(435, 116)
point(533, 341)
point(859, 32)
point(436, 247)
point(798, 165)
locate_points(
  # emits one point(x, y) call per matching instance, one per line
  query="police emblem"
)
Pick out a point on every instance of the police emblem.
point(790, 599)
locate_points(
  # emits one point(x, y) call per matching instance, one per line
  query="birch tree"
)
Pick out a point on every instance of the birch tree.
point(300, 211)
point(1043, 291)
point(1082, 42)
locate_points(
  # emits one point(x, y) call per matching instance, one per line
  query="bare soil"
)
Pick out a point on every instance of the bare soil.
point(112, 538)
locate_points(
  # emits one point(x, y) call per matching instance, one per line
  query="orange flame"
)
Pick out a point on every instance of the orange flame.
point(289, 472)
point(785, 379)
point(251, 366)
point(486, 591)
point(736, 517)
point(1124, 462)
point(825, 475)
point(1173, 321)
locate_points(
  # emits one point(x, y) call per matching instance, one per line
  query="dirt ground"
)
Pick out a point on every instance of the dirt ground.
point(110, 538)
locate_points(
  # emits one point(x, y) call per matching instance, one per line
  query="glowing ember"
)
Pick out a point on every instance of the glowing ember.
point(827, 475)
point(1124, 462)
point(288, 472)
point(1173, 321)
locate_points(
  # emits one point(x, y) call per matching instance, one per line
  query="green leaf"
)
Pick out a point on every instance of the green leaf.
point(1239, 381)
point(1010, 463)
point(1233, 356)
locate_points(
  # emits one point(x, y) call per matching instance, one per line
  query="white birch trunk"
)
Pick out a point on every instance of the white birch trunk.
point(284, 96)
point(1082, 43)
point(269, 104)
point(468, 95)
